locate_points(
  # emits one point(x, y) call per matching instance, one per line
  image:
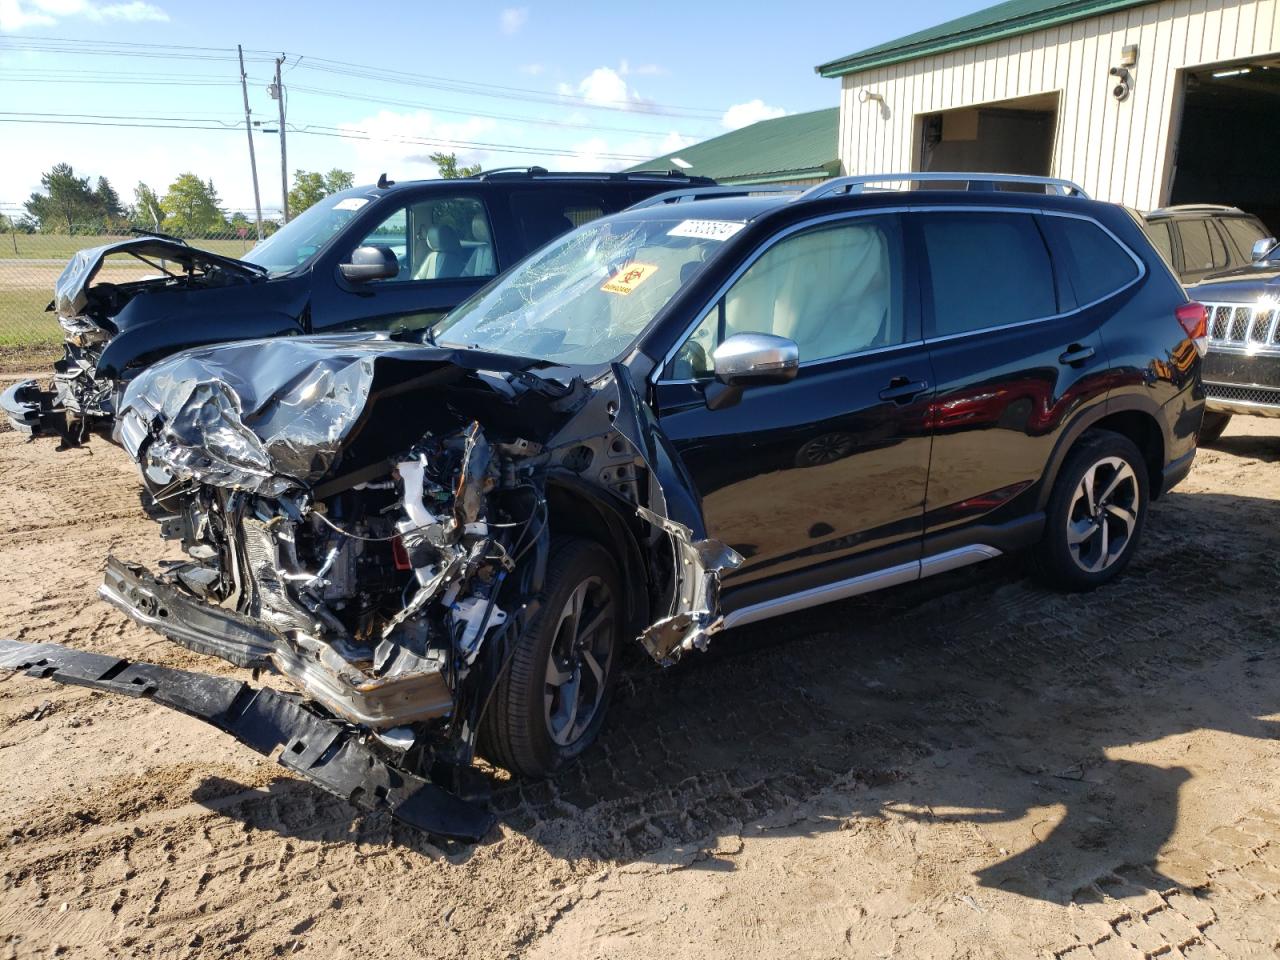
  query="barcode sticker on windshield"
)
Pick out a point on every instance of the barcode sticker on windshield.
point(629, 277)
point(350, 203)
point(706, 229)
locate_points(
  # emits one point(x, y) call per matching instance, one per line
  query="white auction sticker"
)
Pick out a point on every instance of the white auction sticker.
point(706, 229)
point(351, 203)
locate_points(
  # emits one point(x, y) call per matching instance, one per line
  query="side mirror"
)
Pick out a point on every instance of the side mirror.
point(1262, 247)
point(747, 359)
point(750, 359)
point(375, 262)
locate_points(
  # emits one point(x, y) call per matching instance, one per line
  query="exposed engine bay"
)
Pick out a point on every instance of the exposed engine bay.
point(372, 520)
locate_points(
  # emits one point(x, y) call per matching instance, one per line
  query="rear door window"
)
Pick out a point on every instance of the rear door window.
point(1202, 248)
point(543, 215)
point(1096, 266)
point(986, 270)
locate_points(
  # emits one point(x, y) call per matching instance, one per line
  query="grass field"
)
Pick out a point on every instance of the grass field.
point(40, 246)
point(23, 322)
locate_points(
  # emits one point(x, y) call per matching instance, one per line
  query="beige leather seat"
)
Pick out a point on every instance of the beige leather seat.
point(445, 258)
point(481, 262)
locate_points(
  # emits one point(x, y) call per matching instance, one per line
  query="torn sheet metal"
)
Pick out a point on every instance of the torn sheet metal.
point(268, 416)
point(699, 561)
point(69, 292)
point(327, 752)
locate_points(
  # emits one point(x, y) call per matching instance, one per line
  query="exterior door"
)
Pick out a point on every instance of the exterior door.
point(833, 464)
point(1014, 340)
point(444, 242)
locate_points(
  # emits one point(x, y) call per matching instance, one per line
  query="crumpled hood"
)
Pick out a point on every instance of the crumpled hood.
point(268, 415)
point(69, 292)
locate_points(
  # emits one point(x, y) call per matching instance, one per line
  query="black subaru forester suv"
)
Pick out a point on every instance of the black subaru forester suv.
point(705, 411)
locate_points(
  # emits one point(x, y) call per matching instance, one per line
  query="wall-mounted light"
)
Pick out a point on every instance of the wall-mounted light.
point(1123, 83)
point(865, 95)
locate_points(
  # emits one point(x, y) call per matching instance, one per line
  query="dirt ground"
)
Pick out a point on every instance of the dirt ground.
point(969, 767)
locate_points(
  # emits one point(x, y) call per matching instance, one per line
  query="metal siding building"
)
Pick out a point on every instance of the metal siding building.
point(1054, 58)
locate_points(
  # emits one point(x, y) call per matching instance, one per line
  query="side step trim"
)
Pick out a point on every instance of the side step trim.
point(329, 753)
point(866, 583)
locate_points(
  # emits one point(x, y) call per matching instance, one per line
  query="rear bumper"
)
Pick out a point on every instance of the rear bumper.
point(325, 751)
point(31, 409)
point(337, 684)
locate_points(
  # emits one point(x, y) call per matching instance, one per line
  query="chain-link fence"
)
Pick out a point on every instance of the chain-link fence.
point(29, 266)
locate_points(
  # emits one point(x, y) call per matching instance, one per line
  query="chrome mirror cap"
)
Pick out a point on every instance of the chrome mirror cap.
point(755, 358)
point(1262, 247)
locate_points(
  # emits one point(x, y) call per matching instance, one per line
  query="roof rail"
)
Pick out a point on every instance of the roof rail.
point(710, 193)
point(527, 171)
point(974, 181)
point(1195, 207)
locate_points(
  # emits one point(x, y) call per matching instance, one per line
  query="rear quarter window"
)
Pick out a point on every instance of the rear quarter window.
point(1096, 265)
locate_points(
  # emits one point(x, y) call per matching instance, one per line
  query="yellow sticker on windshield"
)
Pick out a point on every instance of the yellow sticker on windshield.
point(629, 277)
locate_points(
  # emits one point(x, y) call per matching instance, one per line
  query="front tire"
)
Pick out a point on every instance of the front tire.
point(550, 703)
point(1095, 514)
point(1211, 428)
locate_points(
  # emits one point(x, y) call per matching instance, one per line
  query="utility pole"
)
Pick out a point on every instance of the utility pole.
point(248, 129)
point(277, 92)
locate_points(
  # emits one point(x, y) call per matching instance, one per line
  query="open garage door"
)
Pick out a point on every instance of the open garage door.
point(1230, 138)
point(1011, 136)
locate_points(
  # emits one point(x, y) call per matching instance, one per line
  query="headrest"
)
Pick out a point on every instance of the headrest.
point(443, 238)
point(480, 228)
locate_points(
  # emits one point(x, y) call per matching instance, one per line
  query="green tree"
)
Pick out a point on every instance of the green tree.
point(447, 164)
point(191, 206)
point(310, 187)
point(66, 202)
point(335, 181)
point(147, 212)
point(108, 201)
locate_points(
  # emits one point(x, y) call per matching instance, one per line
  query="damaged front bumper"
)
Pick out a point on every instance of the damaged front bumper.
point(325, 751)
point(339, 685)
point(32, 409)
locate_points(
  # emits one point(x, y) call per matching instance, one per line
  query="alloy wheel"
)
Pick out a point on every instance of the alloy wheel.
point(579, 661)
point(1104, 514)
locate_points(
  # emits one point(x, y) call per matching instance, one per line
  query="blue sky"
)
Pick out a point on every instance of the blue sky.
point(377, 85)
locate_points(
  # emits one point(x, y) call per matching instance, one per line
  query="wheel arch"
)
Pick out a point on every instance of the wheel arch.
point(1134, 417)
point(578, 509)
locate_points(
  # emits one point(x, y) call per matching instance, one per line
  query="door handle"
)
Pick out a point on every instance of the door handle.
point(1075, 355)
point(903, 390)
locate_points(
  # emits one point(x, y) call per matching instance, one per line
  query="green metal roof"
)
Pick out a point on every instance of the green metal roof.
point(994, 23)
point(793, 147)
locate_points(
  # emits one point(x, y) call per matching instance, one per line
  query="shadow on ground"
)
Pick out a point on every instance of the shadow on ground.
point(979, 697)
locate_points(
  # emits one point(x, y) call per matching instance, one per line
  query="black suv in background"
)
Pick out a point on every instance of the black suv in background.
point(1197, 240)
point(385, 257)
point(701, 412)
point(1242, 370)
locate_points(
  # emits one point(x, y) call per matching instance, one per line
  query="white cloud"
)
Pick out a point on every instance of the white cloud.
point(18, 14)
point(391, 146)
point(513, 19)
point(753, 111)
point(600, 153)
point(606, 87)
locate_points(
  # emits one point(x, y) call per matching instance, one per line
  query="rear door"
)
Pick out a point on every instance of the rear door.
point(1013, 335)
point(831, 466)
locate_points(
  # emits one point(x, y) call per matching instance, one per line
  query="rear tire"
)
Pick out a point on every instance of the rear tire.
point(550, 703)
point(1212, 427)
point(1095, 514)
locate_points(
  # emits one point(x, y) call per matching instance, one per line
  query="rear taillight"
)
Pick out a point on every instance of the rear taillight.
point(1195, 321)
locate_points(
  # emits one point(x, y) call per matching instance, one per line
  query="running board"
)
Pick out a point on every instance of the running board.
point(327, 752)
point(866, 583)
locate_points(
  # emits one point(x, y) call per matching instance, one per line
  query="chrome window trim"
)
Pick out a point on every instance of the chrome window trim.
point(655, 377)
